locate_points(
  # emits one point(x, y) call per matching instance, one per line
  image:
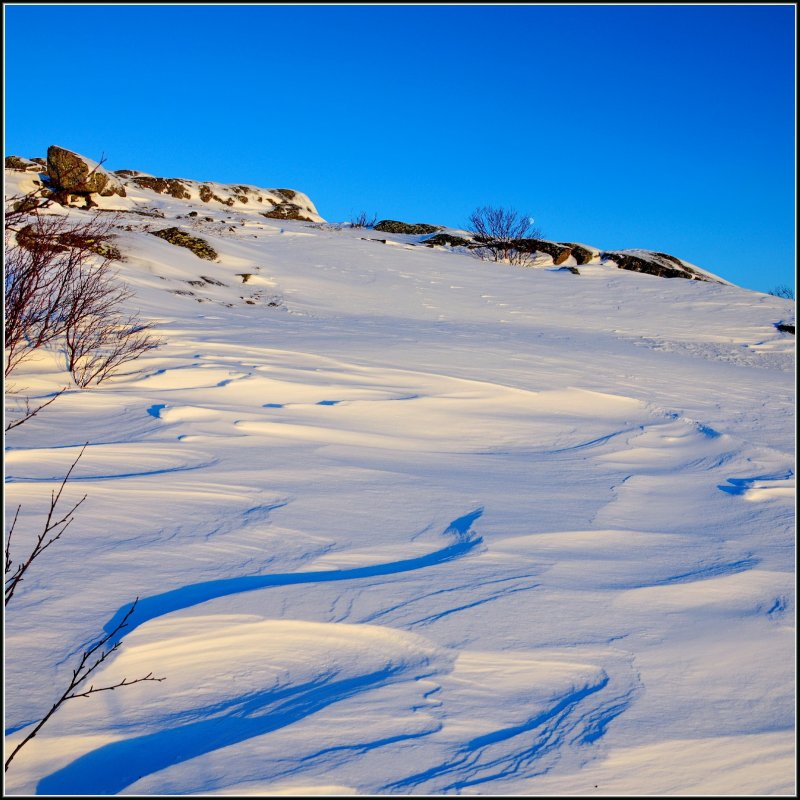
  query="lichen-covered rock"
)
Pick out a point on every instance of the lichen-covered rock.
point(286, 211)
point(659, 264)
point(443, 239)
point(200, 247)
point(73, 173)
point(174, 187)
point(22, 164)
point(393, 226)
point(580, 254)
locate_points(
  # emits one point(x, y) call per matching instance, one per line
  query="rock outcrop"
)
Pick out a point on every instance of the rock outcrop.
point(652, 263)
point(393, 226)
point(71, 173)
point(581, 254)
point(286, 211)
point(442, 239)
point(22, 164)
point(200, 247)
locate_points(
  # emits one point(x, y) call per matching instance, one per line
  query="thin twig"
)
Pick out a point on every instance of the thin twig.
point(42, 542)
point(81, 673)
point(31, 414)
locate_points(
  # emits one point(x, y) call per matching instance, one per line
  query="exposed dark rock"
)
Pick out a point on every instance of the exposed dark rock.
point(200, 247)
point(573, 270)
point(393, 226)
point(205, 193)
point(446, 239)
point(785, 327)
point(655, 264)
point(558, 252)
point(580, 254)
point(286, 194)
point(73, 173)
point(22, 164)
point(286, 211)
point(171, 186)
point(672, 259)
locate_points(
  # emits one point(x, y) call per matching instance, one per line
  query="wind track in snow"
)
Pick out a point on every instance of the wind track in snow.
point(578, 717)
point(148, 608)
point(111, 767)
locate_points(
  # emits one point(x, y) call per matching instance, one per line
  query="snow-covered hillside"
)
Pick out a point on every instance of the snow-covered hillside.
point(401, 521)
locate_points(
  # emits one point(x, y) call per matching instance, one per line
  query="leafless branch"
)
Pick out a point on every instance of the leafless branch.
point(30, 414)
point(499, 231)
point(60, 289)
point(54, 526)
point(364, 221)
point(87, 665)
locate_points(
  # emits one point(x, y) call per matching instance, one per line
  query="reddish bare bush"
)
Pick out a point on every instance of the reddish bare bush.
point(61, 290)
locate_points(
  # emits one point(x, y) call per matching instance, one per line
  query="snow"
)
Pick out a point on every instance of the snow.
point(424, 525)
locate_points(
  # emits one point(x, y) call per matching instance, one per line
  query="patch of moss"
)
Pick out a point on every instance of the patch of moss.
point(393, 226)
point(200, 247)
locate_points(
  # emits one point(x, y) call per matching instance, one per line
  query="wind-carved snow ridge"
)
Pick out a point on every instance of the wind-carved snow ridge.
point(148, 608)
point(283, 675)
point(565, 727)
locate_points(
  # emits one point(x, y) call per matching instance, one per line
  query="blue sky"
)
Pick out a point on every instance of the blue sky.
point(664, 127)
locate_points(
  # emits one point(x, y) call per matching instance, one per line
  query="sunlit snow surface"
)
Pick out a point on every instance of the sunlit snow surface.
point(405, 522)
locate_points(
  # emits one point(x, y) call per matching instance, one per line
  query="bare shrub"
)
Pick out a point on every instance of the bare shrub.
point(783, 291)
point(61, 290)
point(56, 522)
point(364, 221)
point(499, 231)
